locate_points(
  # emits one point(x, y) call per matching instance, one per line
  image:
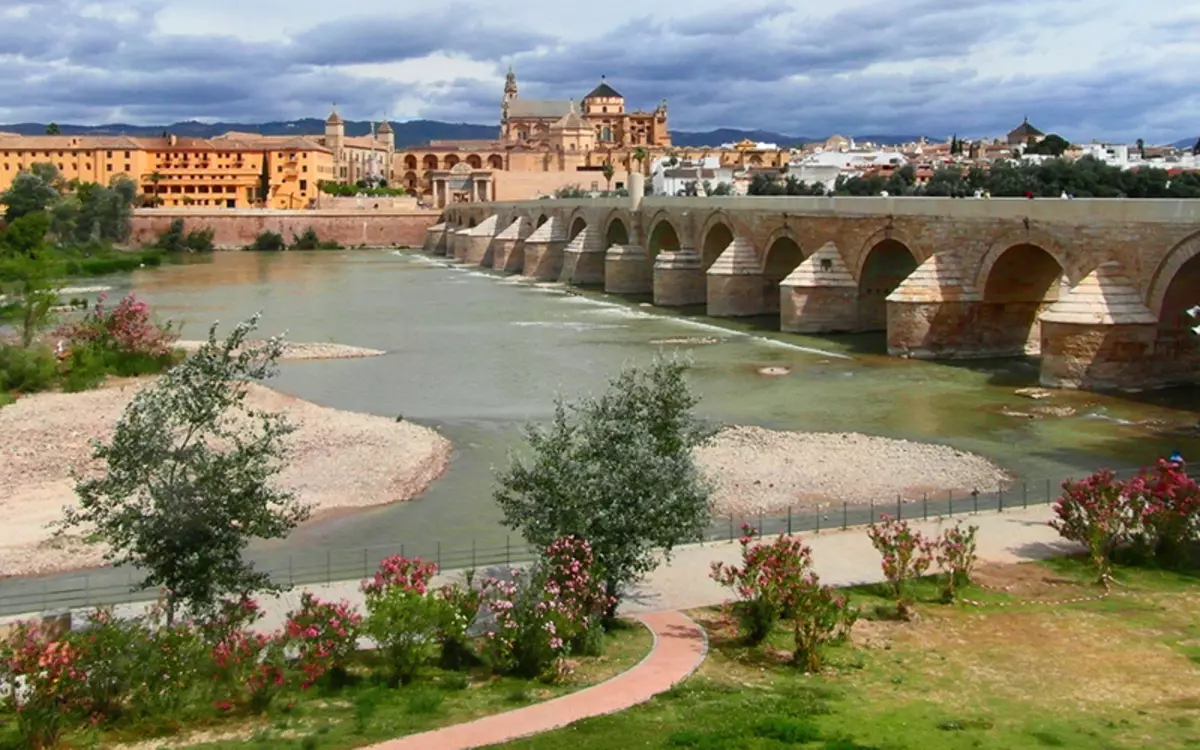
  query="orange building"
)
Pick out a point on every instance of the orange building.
point(235, 170)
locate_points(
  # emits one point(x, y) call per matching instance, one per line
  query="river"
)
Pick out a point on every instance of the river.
point(477, 355)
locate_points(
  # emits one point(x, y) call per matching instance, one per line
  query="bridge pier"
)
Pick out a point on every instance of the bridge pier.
point(456, 244)
point(544, 251)
point(932, 314)
point(508, 248)
point(479, 242)
point(679, 279)
point(583, 259)
point(735, 283)
point(435, 238)
point(627, 270)
point(1099, 335)
point(820, 296)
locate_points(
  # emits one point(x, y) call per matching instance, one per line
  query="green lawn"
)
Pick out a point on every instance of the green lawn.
point(1123, 672)
point(367, 713)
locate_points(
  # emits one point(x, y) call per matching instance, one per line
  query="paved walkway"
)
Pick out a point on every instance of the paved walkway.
point(679, 648)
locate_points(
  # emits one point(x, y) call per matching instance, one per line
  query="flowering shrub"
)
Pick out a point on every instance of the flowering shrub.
point(249, 666)
point(1096, 513)
point(402, 616)
point(906, 555)
point(821, 616)
point(1165, 508)
point(768, 582)
point(538, 620)
point(325, 638)
point(127, 328)
point(459, 611)
point(44, 684)
point(955, 553)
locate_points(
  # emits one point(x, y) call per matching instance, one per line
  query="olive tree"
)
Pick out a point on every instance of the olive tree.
point(616, 470)
point(190, 476)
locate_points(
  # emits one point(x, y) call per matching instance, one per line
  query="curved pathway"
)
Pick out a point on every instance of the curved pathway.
point(679, 648)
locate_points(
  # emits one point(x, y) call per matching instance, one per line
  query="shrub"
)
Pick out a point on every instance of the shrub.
point(269, 242)
point(27, 370)
point(767, 582)
point(460, 610)
point(308, 240)
point(537, 620)
point(176, 240)
point(906, 555)
point(1094, 512)
point(45, 685)
point(821, 616)
point(955, 553)
point(325, 638)
point(126, 332)
point(1166, 507)
point(403, 617)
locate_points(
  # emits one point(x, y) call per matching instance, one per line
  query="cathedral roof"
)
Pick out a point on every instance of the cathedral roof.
point(334, 117)
point(604, 91)
point(1025, 130)
point(385, 127)
point(570, 121)
point(538, 108)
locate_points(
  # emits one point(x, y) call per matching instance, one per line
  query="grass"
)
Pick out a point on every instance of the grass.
point(1020, 672)
point(369, 712)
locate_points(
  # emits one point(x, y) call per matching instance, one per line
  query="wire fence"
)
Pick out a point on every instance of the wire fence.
point(116, 586)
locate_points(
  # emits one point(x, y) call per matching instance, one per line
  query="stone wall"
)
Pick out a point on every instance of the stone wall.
point(236, 228)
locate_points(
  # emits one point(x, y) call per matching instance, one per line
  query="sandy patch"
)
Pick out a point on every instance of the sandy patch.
point(299, 351)
point(764, 470)
point(338, 460)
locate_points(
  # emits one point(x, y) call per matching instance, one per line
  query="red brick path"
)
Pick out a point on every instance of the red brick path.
point(679, 647)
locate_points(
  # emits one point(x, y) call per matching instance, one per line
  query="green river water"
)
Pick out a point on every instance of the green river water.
point(476, 355)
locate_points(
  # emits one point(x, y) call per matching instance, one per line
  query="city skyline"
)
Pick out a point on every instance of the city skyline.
point(914, 66)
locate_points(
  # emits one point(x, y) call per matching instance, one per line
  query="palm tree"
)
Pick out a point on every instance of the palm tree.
point(155, 178)
point(608, 172)
point(639, 155)
point(53, 129)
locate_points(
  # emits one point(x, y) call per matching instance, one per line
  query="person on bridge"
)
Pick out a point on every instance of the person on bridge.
point(1176, 459)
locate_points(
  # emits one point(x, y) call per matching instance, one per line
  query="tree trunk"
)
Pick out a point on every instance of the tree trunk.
point(611, 588)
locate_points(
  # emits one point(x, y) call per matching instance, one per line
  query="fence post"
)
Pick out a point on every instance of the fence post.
point(291, 577)
point(87, 589)
point(472, 554)
point(439, 554)
point(925, 506)
point(1000, 500)
point(507, 550)
point(364, 562)
point(899, 512)
point(950, 502)
point(872, 511)
point(1024, 495)
point(44, 596)
point(975, 497)
point(1048, 500)
point(790, 520)
point(731, 527)
point(760, 523)
point(818, 513)
point(328, 567)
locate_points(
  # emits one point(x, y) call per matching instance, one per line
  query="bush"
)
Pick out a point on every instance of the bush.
point(308, 240)
point(821, 616)
point(27, 370)
point(268, 242)
point(955, 553)
point(176, 240)
point(127, 330)
point(402, 616)
point(460, 610)
point(45, 684)
point(324, 636)
point(906, 555)
point(767, 582)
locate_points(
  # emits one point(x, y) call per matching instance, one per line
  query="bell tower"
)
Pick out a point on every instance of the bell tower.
point(510, 96)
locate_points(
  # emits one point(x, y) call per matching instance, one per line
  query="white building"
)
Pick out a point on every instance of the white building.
point(672, 177)
point(826, 166)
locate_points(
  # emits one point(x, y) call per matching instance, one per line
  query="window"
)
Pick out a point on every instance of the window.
point(303, 185)
point(127, 168)
point(108, 167)
point(107, 154)
point(304, 168)
point(279, 168)
point(126, 154)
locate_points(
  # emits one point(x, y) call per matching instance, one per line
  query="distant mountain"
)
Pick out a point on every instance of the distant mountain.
point(1185, 143)
point(417, 132)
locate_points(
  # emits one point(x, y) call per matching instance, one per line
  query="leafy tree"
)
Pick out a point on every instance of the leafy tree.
point(722, 188)
point(617, 471)
point(640, 156)
point(1141, 147)
point(30, 192)
point(1051, 145)
point(53, 129)
point(190, 477)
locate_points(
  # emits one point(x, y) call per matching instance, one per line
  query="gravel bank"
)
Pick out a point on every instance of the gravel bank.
point(763, 470)
point(339, 460)
point(293, 352)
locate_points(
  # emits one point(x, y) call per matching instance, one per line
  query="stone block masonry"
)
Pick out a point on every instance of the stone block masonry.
point(235, 228)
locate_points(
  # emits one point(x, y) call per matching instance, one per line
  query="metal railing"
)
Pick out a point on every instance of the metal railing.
point(99, 587)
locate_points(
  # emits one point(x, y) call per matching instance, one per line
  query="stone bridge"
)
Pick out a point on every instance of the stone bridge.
point(1098, 288)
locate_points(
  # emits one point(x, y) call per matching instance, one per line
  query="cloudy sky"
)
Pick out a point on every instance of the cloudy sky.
point(1112, 69)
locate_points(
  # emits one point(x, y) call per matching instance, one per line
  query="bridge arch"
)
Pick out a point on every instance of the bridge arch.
point(1172, 293)
point(883, 267)
point(715, 236)
point(577, 225)
point(1169, 269)
point(663, 237)
point(541, 219)
point(615, 232)
point(1020, 282)
point(780, 257)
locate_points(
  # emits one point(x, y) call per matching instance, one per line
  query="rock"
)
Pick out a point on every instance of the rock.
point(1034, 393)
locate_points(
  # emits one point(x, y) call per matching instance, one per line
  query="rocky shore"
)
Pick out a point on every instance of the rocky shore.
point(338, 460)
point(294, 352)
point(758, 470)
